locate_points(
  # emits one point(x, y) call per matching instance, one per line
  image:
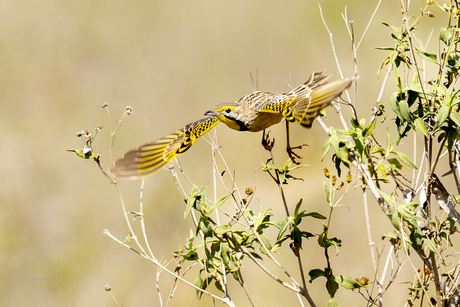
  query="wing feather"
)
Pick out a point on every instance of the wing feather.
point(151, 157)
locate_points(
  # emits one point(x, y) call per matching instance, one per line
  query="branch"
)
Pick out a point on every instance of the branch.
point(225, 300)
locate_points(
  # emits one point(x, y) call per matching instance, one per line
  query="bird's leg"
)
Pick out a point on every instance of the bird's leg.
point(290, 149)
point(266, 142)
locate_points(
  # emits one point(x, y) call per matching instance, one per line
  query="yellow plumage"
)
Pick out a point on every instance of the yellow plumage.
point(254, 112)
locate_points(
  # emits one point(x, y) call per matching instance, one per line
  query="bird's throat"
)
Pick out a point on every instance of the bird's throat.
point(234, 124)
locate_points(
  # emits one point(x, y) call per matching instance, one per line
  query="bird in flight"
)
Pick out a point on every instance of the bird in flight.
point(254, 112)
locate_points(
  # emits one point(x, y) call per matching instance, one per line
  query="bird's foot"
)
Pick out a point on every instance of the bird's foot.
point(293, 155)
point(267, 143)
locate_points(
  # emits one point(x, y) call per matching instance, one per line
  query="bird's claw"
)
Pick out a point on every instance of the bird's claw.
point(267, 143)
point(292, 155)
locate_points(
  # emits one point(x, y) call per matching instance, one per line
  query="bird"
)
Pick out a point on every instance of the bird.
point(254, 112)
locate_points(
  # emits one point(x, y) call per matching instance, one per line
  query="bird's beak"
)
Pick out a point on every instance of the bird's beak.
point(210, 113)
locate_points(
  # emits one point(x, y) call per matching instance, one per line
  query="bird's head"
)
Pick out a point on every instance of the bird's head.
point(229, 113)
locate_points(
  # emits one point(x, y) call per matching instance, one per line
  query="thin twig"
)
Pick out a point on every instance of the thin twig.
point(141, 219)
point(243, 284)
point(384, 83)
point(215, 171)
point(332, 41)
point(157, 263)
point(370, 241)
point(176, 284)
point(368, 24)
point(273, 276)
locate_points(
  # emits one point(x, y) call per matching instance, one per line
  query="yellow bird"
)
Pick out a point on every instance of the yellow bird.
point(254, 112)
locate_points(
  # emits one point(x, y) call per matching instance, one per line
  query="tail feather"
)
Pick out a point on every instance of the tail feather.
point(314, 95)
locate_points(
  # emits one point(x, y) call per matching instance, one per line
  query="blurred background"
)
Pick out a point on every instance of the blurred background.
point(171, 61)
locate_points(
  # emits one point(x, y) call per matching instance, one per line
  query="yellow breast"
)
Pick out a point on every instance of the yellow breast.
point(232, 124)
point(264, 120)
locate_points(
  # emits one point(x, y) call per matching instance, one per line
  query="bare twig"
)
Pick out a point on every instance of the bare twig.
point(267, 271)
point(368, 24)
point(240, 275)
point(370, 241)
point(225, 300)
point(141, 219)
point(384, 83)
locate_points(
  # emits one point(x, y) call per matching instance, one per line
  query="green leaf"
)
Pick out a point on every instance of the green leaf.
point(396, 29)
point(345, 132)
point(84, 153)
point(416, 241)
point(326, 147)
point(455, 117)
point(384, 49)
point(278, 243)
point(397, 40)
point(416, 87)
point(446, 34)
point(284, 226)
point(205, 226)
point(359, 146)
point(427, 56)
point(391, 235)
point(340, 150)
point(296, 235)
point(190, 255)
point(315, 273)
point(451, 137)
point(347, 282)
point(420, 126)
point(306, 234)
point(332, 286)
point(441, 116)
point(195, 197)
point(225, 253)
point(188, 208)
point(387, 198)
point(316, 215)
point(219, 203)
point(369, 129)
point(326, 191)
point(445, 238)
point(379, 150)
point(430, 244)
point(407, 212)
point(405, 111)
point(326, 242)
point(297, 207)
point(221, 229)
point(394, 218)
point(266, 240)
point(256, 255)
point(282, 177)
point(404, 158)
point(398, 78)
point(202, 284)
point(332, 303)
point(395, 163)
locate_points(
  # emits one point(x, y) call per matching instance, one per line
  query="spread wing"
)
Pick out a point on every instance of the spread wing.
point(304, 103)
point(151, 157)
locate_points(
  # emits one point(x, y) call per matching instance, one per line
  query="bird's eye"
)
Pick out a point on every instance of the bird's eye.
point(228, 110)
